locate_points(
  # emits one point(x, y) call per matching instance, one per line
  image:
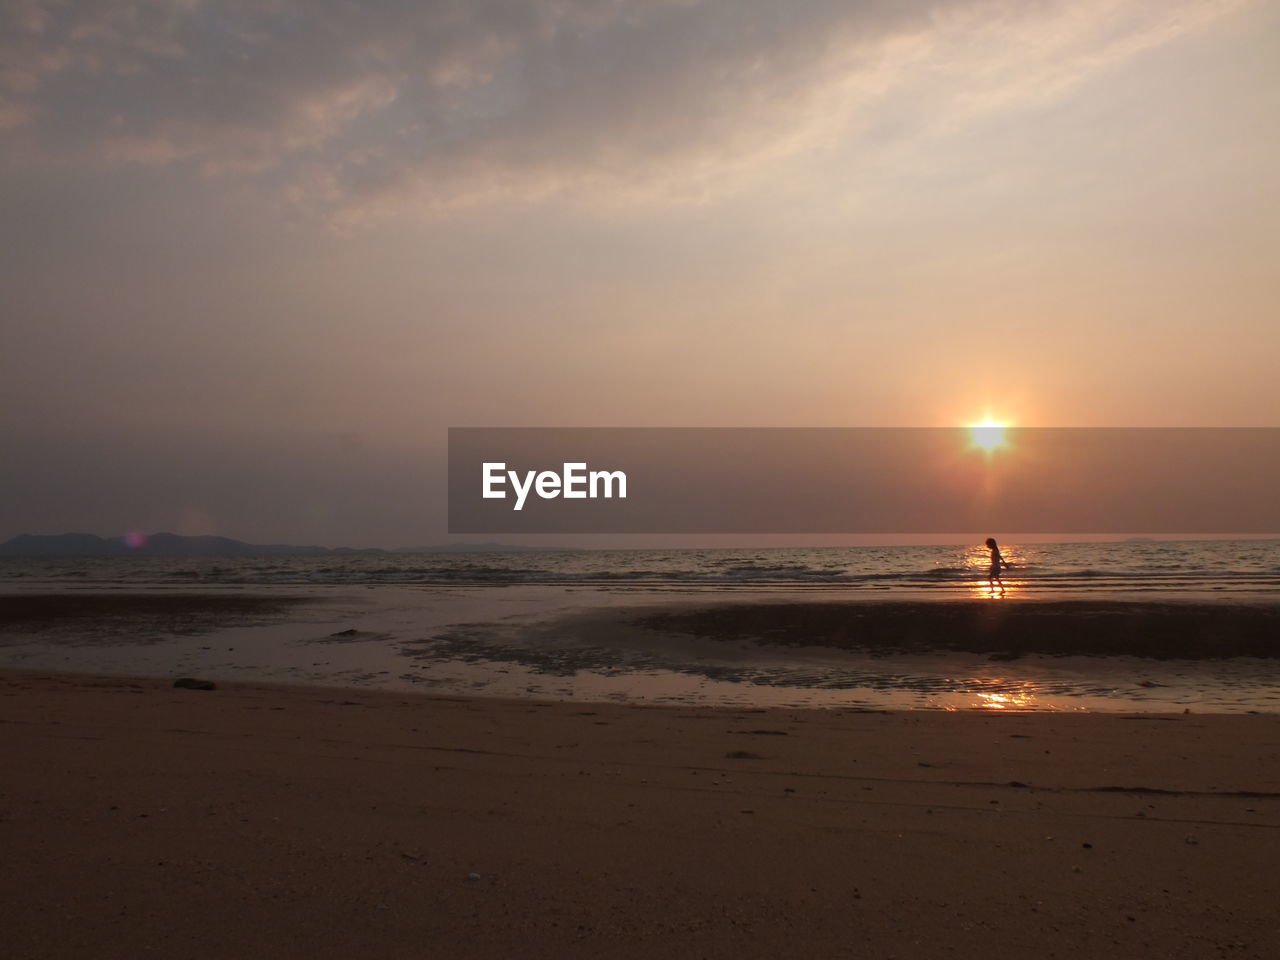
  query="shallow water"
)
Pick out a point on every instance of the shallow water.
point(571, 643)
point(1234, 567)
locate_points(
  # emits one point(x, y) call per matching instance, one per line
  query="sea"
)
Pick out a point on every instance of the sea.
point(1206, 567)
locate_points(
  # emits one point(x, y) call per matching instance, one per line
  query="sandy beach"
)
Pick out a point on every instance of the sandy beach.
point(260, 821)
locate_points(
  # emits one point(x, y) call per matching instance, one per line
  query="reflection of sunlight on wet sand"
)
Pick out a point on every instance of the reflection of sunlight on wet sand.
point(994, 689)
point(1006, 701)
point(1009, 695)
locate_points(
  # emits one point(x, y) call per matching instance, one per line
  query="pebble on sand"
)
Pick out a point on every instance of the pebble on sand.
point(191, 683)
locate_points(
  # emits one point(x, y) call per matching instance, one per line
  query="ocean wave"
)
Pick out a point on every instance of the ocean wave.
point(1055, 568)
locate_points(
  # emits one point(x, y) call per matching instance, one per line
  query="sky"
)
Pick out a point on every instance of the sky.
point(258, 257)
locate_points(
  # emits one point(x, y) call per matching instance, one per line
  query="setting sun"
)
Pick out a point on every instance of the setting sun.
point(989, 435)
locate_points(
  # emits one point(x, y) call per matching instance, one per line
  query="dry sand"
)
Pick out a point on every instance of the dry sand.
point(253, 821)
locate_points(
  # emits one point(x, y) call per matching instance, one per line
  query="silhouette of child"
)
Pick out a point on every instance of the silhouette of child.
point(993, 575)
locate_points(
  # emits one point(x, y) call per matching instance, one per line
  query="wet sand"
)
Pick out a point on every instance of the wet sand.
point(759, 649)
point(257, 821)
point(1188, 629)
point(1193, 630)
point(134, 616)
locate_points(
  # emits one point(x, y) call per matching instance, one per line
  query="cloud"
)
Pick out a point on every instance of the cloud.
point(357, 110)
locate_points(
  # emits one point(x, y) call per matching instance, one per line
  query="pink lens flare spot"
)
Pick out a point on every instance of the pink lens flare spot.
point(135, 540)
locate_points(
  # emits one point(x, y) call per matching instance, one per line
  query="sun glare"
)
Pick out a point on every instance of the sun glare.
point(988, 435)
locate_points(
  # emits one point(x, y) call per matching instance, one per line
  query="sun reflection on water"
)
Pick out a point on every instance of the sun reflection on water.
point(982, 590)
point(977, 560)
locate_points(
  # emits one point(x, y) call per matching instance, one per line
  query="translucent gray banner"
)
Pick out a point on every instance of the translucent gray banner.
point(864, 480)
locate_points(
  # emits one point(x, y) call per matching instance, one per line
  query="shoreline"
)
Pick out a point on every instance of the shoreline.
point(260, 820)
point(1187, 627)
point(594, 646)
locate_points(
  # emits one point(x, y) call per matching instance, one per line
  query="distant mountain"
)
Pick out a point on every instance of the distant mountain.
point(175, 545)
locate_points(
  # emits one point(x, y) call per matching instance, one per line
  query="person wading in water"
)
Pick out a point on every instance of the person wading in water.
point(997, 561)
